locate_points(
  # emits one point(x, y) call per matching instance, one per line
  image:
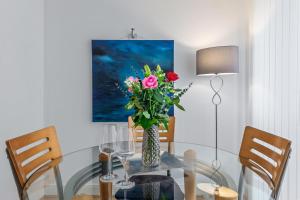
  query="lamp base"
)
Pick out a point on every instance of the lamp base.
point(216, 190)
point(208, 188)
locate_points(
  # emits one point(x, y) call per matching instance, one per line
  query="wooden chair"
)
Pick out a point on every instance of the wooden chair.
point(266, 155)
point(164, 135)
point(29, 152)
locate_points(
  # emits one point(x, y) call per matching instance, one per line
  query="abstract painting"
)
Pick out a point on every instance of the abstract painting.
point(115, 60)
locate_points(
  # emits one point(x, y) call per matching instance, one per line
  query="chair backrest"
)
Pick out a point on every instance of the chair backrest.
point(266, 155)
point(29, 152)
point(164, 134)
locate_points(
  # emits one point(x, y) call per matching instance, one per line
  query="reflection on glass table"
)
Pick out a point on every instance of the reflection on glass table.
point(189, 166)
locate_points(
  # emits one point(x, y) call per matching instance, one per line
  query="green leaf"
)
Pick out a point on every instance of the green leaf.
point(172, 91)
point(168, 100)
point(137, 104)
point(147, 70)
point(163, 116)
point(179, 106)
point(176, 100)
point(166, 125)
point(158, 68)
point(164, 197)
point(145, 123)
point(158, 97)
point(129, 105)
point(146, 114)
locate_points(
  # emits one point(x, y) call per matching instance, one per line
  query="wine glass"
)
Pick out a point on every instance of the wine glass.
point(108, 147)
point(125, 148)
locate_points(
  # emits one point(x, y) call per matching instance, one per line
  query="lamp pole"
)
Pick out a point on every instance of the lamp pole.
point(216, 100)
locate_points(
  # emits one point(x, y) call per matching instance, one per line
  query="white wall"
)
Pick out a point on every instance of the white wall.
point(275, 84)
point(21, 77)
point(193, 24)
point(69, 27)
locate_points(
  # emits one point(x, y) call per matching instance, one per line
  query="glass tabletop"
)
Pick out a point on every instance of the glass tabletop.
point(184, 173)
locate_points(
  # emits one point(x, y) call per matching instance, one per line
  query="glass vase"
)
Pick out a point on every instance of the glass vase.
point(151, 147)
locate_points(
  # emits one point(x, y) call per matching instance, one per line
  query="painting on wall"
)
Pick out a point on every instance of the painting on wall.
point(114, 61)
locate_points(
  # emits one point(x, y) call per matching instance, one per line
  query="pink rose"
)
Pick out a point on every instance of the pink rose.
point(150, 82)
point(131, 79)
point(129, 82)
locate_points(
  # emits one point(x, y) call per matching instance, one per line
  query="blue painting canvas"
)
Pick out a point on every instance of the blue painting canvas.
point(115, 60)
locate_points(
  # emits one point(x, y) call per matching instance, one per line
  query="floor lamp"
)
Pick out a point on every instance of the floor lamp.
point(216, 62)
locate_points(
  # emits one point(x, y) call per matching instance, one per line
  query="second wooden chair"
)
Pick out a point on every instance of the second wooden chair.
point(266, 155)
point(164, 135)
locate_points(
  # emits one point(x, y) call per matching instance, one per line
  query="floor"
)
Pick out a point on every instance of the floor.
point(86, 197)
point(79, 197)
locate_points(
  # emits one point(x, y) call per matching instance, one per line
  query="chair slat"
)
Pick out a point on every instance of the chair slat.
point(269, 168)
point(276, 141)
point(35, 136)
point(37, 162)
point(266, 151)
point(139, 134)
point(33, 151)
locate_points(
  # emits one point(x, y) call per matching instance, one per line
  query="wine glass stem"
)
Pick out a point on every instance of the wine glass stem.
point(125, 169)
point(109, 165)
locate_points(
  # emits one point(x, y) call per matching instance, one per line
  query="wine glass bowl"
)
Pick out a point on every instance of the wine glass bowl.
point(125, 149)
point(108, 147)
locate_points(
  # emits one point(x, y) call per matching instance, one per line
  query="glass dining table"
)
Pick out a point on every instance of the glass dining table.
point(182, 174)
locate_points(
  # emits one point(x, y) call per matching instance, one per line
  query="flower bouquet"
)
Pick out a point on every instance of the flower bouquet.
point(151, 98)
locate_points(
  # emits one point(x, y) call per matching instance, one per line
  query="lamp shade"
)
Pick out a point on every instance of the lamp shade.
point(218, 60)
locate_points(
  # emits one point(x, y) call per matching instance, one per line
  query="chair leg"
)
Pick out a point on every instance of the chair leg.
point(59, 184)
point(24, 196)
point(276, 191)
point(168, 172)
point(170, 151)
point(241, 184)
point(272, 197)
point(21, 193)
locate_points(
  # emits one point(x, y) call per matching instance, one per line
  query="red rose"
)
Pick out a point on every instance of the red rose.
point(172, 76)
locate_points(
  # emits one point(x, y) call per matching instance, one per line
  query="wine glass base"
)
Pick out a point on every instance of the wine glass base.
point(125, 185)
point(108, 178)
